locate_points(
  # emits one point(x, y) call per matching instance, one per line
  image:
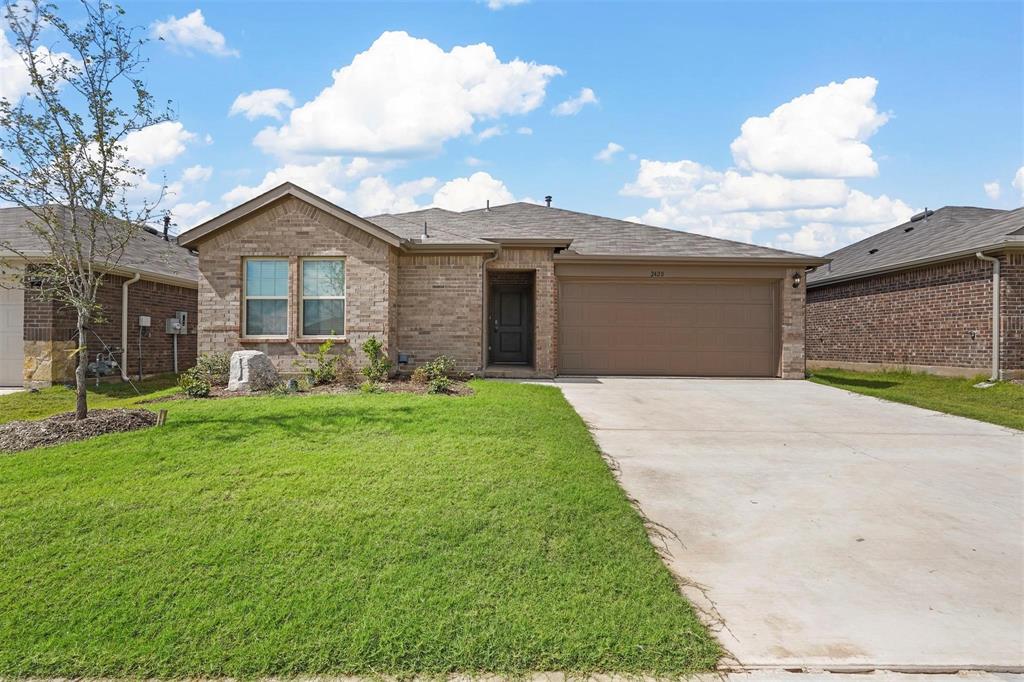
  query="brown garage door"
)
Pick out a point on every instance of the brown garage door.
point(683, 328)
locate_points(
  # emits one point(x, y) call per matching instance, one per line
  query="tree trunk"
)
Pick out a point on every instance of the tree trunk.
point(81, 407)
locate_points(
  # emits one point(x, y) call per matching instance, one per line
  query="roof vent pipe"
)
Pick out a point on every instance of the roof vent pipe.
point(547, 200)
point(167, 225)
point(922, 215)
point(488, 206)
point(425, 235)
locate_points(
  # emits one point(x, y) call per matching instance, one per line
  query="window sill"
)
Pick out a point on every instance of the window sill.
point(321, 339)
point(264, 339)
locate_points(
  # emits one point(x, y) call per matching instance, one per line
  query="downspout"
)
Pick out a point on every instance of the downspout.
point(124, 324)
point(995, 313)
point(483, 307)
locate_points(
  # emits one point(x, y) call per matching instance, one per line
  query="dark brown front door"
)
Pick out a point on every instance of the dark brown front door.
point(511, 324)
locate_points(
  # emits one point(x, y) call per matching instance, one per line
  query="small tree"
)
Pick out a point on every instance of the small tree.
point(62, 152)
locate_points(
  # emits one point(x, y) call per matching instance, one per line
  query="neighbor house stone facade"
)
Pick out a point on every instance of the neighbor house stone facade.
point(50, 330)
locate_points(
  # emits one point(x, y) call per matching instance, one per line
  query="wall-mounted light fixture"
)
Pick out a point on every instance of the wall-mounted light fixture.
point(796, 280)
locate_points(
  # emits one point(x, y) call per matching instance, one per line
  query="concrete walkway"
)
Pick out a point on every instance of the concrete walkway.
point(824, 529)
point(6, 390)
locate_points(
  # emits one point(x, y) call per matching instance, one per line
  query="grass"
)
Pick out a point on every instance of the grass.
point(349, 534)
point(56, 399)
point(1001, 404)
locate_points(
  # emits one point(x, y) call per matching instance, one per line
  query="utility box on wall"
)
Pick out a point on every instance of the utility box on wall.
point(177, 324)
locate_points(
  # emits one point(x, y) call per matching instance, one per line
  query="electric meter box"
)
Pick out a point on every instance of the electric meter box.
point(144, 320)
point(177, 324)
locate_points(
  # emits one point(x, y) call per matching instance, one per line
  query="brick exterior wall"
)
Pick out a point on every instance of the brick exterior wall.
point(933, 317)
point(292, 229)
point(50, 330)
point(440, 308)
point(545, 301)
point(793, 313)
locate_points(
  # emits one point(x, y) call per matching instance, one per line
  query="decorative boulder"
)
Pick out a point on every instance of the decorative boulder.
point(251, 370)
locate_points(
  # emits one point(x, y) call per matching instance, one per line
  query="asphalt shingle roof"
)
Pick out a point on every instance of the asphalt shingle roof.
point(949, 231)
point(591, 235)
point(145, 252)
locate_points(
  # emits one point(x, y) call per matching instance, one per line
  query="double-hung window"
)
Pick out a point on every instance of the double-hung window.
point(266, 297)
point(323, 297)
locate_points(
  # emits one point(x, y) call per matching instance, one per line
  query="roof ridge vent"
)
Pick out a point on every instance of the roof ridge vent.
point(922, 215)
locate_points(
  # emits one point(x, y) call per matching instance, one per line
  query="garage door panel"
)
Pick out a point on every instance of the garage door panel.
point(668, 328)
point(12, 347)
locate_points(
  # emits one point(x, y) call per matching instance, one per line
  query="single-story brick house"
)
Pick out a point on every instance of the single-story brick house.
point(918, 296)
point(154, 278)
point(515, 290)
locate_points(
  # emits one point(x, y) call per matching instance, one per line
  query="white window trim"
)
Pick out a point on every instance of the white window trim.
point(343, 298)
point(246, 298)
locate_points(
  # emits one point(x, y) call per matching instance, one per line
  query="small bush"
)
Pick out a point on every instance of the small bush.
point(319, 367)
point(369, 387)
point(440, 385)
point(378, 365)
point(194, 383)
point(214, 367)
point(441, 367)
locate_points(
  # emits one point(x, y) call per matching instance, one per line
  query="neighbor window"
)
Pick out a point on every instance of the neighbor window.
point(266, 297)
point(323, 297)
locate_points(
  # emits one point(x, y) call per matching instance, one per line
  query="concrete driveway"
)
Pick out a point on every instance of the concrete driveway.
point(825, 529)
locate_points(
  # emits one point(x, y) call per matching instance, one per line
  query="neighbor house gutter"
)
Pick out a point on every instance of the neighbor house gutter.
point(995, 313)
point(124, 323)
point(483, 306)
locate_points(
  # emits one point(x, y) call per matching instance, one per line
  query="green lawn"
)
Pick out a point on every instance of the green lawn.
point(1001, 404)
point(347, 534)
point(49, 401)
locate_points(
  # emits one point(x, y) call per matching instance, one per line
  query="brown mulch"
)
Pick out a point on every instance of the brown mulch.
point(63, 428)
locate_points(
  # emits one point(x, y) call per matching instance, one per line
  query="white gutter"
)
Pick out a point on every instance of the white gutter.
point(995, 313)
point(124, 324)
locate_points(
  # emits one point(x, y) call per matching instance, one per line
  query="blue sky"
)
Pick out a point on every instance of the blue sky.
point(925, 109)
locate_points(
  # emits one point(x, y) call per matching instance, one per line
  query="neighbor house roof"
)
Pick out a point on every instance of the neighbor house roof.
point(578, 235)
point(146, 253)
point(947, 233)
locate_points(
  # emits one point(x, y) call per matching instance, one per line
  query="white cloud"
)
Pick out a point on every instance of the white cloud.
point(1018, 181)
point(790, 207)
point(524, 131)
point(191, 34)
point(992, 190)
point(14, 78)
point(499, 4)
point(196, 173)
point(821, 134)
point(157, 145)
point(406, 95)
point(376, 195)
point(610, 150)
point(473, 161)
point(326, 178)
point(269, 102)
point(463, 194)
point(488, 133)
point(574, 105)
point(188, 215)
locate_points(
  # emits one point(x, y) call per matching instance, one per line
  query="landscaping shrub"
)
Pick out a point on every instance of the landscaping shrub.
point(378, 365)
point(319, 367)
point(440, 385)
point(214, 367)
point(441, 367)
point(194, 383)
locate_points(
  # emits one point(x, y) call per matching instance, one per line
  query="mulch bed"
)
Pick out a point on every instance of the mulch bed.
point(399, 384)
point(63, 428)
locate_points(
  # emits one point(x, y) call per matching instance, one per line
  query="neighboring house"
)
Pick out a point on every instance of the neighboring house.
point(917, 296)
point(37, 336)
point(514, 290)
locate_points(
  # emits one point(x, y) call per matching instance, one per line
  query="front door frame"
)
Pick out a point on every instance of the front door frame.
point(526, 289)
